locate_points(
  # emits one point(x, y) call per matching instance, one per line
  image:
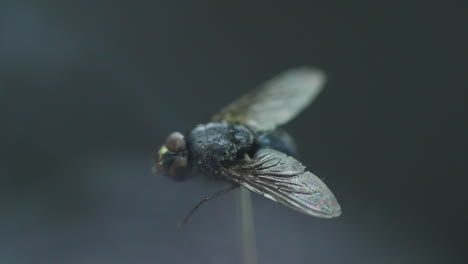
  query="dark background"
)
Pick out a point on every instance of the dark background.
point(90, 89)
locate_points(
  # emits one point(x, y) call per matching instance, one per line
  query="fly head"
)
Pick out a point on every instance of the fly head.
point(171, 159)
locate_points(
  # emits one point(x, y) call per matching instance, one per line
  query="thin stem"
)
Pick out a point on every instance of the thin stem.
point(248, 229)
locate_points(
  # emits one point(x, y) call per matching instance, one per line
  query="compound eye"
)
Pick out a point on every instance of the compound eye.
point(177, 170)
point(175, 142)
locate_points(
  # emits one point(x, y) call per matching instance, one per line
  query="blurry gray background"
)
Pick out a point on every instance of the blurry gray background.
point(90, 89)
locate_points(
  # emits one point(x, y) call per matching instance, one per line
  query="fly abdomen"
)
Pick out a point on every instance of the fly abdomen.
point(278, 140)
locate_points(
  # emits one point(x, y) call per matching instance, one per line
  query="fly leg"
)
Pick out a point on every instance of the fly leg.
point(207, 198)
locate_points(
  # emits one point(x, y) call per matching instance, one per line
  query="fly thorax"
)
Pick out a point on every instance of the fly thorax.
point(215, 145)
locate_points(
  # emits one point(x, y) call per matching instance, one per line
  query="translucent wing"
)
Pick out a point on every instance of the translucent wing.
point(277, 101)
point(283, 179)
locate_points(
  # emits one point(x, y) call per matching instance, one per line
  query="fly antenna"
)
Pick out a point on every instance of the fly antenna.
point(184, 220)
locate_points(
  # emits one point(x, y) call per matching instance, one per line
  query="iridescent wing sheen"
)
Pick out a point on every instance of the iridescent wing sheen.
point(277, 101)
point(283, 179)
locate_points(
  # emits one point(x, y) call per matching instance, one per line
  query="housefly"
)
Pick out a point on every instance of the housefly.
point(244, 145)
